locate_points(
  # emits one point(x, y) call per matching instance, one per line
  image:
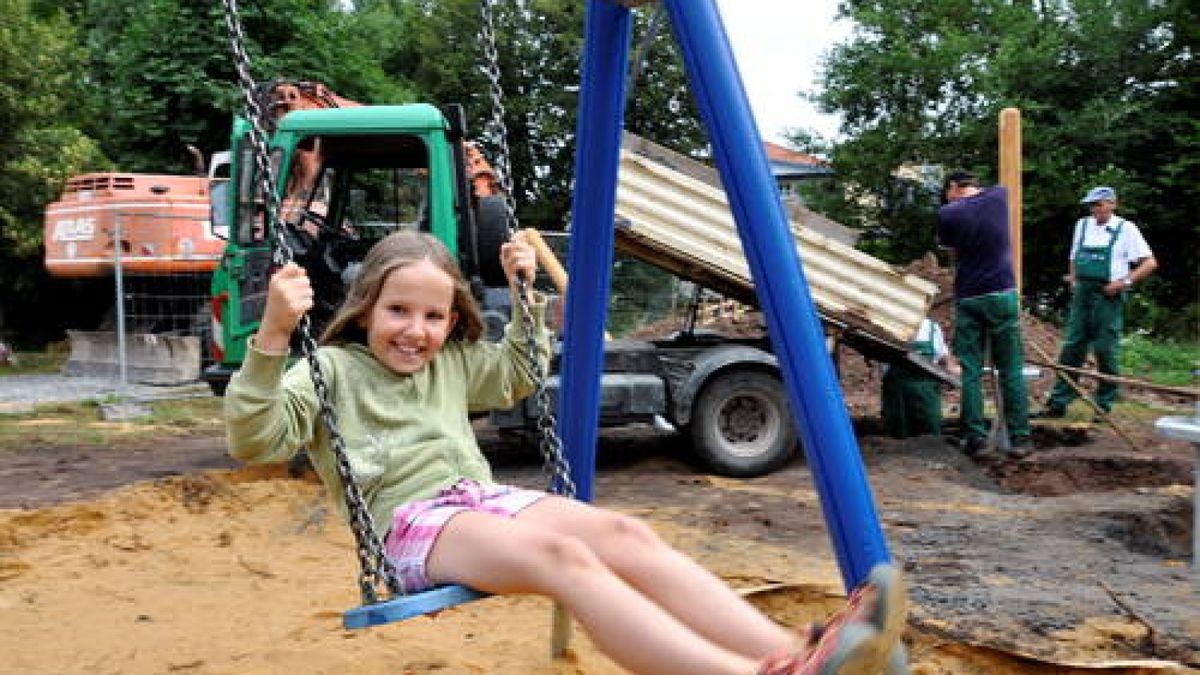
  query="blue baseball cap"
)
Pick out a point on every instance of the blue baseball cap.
point(1099, 194)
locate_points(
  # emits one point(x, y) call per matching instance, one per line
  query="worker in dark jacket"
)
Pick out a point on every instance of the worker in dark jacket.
point(974, 222)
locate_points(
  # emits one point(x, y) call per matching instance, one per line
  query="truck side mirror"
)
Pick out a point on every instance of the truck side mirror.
point(220, 213)
point(456, 120)
point(218, 196)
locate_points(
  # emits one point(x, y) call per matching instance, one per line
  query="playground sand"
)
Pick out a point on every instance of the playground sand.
point(248, 570)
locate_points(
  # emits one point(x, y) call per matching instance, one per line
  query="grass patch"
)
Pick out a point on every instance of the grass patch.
point(193, 413)
point(1160, 361)
point(36, 363)
point(1147, 413)
point(81, 424)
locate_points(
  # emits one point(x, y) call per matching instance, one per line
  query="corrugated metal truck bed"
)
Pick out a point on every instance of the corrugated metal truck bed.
point(672, 212)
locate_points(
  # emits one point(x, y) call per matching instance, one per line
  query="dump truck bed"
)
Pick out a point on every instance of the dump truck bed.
point(672, 212)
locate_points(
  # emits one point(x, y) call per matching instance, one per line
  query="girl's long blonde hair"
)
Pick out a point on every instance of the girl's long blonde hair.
point(394, 251)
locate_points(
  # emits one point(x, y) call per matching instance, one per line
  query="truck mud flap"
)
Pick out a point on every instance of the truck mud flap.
point(149, 358)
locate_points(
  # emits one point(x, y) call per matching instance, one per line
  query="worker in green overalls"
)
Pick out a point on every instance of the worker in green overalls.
point(911, 398)
point(1108, 256)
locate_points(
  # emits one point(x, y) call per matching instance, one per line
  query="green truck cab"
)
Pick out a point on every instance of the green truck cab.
point(347, 178)
point(353, 175)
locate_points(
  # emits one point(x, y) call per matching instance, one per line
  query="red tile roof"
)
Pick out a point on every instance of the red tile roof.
point(779, 153)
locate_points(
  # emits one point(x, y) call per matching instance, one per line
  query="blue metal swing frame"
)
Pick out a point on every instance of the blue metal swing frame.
point(823, 422)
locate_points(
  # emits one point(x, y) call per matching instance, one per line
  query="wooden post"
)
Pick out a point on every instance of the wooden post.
point(547, 259)
point(1010, 177)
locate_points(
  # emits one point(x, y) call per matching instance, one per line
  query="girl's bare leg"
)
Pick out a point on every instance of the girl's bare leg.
point(506, 555)
point(672, 580)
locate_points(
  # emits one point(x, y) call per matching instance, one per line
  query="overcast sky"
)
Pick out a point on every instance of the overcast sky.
point(777, 45)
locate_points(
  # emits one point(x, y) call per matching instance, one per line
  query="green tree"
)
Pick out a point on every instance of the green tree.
point(660, 105)
point(1106, 89)
point(40, 143)
point(163, 70)
point(538, 47)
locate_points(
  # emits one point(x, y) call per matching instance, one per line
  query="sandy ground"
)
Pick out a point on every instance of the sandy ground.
point(223, 570)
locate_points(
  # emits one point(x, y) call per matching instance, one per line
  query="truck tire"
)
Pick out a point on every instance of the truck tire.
point(491, 230)
point(201, 327)
point(218, 387)
point(741, 425)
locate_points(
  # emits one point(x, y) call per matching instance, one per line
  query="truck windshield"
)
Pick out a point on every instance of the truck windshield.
point(367, 186)
point(385, 200)
point(357, 188)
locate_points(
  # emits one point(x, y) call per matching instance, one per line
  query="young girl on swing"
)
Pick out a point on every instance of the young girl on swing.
point(405, 366)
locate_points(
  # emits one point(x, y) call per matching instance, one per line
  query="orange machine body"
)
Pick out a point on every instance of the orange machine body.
point(154, 224)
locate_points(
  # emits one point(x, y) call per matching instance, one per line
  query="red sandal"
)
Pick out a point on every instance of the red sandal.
point(862, 638)
point(848, 649)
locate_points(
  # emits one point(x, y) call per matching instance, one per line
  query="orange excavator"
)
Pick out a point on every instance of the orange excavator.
point(151, 223)
point(155, 230)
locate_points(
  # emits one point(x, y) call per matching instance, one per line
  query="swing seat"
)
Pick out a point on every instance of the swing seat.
point(407, 606)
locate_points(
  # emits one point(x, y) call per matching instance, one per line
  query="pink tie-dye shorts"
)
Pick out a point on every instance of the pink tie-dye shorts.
point(416, 525)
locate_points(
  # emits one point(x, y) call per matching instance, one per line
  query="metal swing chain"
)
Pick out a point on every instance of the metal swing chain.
point(375, 570)
point(638, 63)
point(555, 466)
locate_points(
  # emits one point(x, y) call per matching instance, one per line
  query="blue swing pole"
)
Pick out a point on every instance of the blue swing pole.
point(792, 322)
point(607, 29)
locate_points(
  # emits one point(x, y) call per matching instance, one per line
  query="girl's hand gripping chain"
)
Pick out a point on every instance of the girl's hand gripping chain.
point(289, 296)
point(519, 261)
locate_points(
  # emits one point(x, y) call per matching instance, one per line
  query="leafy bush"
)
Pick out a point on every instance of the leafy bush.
point(1143, 312)
point(1162, 361)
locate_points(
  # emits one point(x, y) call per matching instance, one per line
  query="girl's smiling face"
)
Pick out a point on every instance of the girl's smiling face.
point(413, 316)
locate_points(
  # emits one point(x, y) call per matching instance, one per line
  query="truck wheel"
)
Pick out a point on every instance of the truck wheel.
point(218, 387)
point(491, 230)
point(741, 425)
point(201, 327)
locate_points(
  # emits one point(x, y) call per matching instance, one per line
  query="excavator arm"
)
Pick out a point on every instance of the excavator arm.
point(482, 176)
point(279, 97)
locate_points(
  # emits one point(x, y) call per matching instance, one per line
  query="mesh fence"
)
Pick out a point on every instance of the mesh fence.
point(160, 333)
point(159, 325)
point(644, 296)
point(644, 299)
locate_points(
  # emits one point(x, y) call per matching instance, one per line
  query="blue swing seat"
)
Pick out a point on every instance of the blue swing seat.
point(407, 606)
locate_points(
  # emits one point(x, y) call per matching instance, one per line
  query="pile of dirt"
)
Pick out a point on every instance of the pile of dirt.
point(1040, 338)
point(860, 376)
point(727, 317)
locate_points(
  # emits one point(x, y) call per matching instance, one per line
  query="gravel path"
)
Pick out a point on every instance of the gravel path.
point(19, 393)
